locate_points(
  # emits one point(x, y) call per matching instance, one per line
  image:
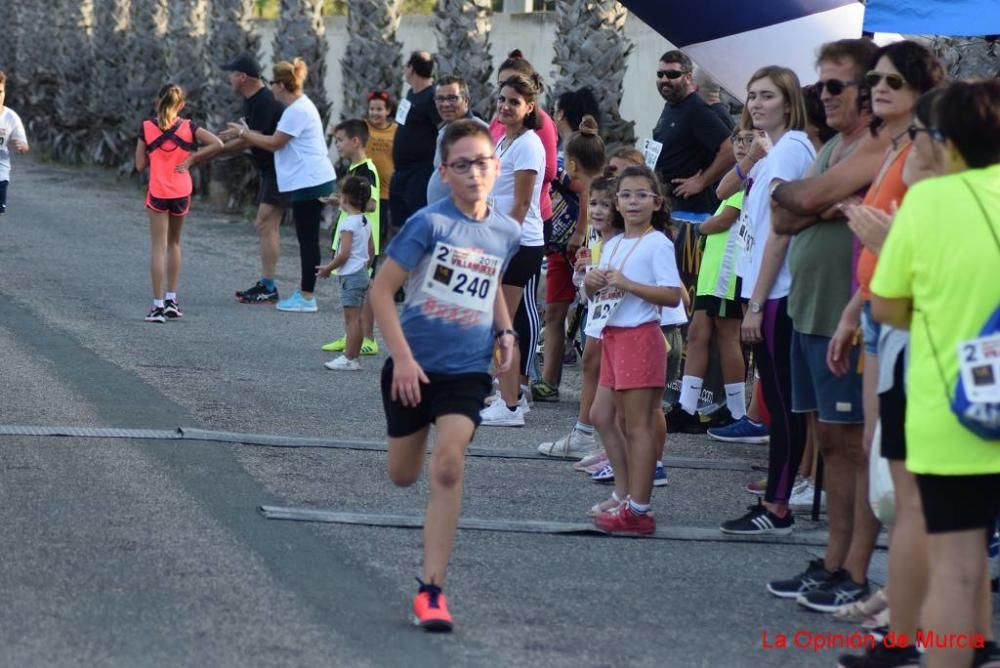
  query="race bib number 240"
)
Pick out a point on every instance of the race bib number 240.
point(463, 277)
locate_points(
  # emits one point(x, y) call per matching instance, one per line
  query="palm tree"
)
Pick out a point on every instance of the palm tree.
point(463, 37)
point(301, 33)
point(147, 54)
point(373, 59)
point(975, 57)
point(36, 67)
point(74, 59)
point(591, 50)
point(188, 50)
point(110, 111)
point(232, 34)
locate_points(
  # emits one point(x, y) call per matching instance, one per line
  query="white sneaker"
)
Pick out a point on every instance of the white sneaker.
point(576, 445)
point(343, 363)
point(498, 415)
point(522, 402)
point(802, 496)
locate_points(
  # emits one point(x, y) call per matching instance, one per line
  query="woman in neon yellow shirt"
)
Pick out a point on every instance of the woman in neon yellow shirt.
point(944, 293)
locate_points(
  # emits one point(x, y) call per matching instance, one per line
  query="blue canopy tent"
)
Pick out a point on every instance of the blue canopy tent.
point(933, 17)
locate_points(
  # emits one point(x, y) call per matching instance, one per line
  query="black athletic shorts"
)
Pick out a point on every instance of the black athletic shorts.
point(716, 307)
point(175, 206)
point(525, 264)
point(892, 413)
point(959, 502)
point(458, 394)
point(268, 193)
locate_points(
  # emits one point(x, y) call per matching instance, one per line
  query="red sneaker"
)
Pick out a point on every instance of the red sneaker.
point(430, 609)
point(623, 522)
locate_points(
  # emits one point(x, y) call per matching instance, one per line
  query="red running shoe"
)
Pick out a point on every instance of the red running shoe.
point(430, 609)
point(621, 521)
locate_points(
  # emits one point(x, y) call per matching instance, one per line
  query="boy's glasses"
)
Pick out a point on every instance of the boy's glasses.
point(742, 140)
point(462, 166)
point(638, 195)
point(893, 81)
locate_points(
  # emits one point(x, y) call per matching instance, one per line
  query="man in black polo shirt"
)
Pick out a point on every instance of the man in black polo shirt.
point(697, 151)
point(261, 113)
point(416, 140)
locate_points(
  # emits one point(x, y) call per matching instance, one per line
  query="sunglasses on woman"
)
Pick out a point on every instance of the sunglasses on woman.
point(893, 81)
point(835, 86)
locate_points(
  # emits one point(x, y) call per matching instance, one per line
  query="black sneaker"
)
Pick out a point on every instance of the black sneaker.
point(759, 522)
point(987, 656)
point(837, 592)
point(882, 656)
point(258, 294)
point(156, 315)
point(172, 310)
point(679, 421)
point(814, 576)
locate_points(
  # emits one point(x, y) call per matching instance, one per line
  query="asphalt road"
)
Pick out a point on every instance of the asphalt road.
point(132, 552)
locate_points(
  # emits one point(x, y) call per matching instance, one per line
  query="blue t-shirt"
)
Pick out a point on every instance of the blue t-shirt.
point(455, 265)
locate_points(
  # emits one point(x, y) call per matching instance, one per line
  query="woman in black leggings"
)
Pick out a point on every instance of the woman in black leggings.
point(303, 168)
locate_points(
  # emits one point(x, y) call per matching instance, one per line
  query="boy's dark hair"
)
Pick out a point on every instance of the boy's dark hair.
point(354, 128)
point(678, 57)
point(356, 191)
point(968, 113)
point(461, 129)
point(575, 104)
point(661, 217)
point(422, 64)
point(527, 89)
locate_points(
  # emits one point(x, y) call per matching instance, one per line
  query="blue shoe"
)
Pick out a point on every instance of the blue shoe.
point(606, 475)
point(660, 477)
point(743, 430)
point(298, 304)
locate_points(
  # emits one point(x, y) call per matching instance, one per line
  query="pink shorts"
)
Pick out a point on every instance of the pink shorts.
point(633, 357)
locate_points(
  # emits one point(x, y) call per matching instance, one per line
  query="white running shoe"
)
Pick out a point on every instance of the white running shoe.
point(802, 496)
point(343, 363)
point(498, 415)
point(522, 402)
point(575, 445)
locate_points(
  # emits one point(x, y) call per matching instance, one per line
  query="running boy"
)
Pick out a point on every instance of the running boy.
point(11, 137)
point(350, 137)
point(451, 255)
point(353, 257)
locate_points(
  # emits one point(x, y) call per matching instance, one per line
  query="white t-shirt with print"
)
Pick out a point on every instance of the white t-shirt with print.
point(361, 231)
point(525, 153)
point(303, 162)
point(11, 128)
point(789, 160)
point(652, 262)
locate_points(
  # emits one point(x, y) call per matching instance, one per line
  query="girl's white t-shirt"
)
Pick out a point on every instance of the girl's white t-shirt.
point(652, 262)
point(789, 160)
point(361, 232)
point(304, 161)
point(525, 153)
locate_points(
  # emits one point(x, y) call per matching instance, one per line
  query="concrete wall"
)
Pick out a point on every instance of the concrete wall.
point(534, 34)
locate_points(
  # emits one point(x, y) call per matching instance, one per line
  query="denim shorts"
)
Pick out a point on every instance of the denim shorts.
point(836, 399)
point(869, 329)
point(353, 288)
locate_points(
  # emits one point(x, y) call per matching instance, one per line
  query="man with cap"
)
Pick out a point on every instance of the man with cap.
point(261, 113)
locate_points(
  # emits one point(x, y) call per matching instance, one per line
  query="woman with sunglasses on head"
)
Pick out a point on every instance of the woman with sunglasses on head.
point(381, 136)
point(517, 193)
point(901, 72)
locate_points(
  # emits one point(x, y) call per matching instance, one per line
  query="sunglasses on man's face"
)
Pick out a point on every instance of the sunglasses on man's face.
point(834, 86)
point(893, 81)
point(670, 74)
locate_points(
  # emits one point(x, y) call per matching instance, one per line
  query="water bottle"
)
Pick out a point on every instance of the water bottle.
point(579, 274)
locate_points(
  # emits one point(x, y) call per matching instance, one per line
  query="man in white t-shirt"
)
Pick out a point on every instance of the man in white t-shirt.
point(11, 137)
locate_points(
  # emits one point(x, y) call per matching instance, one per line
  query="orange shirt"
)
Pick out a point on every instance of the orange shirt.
point(164, 180)
point(881, 196)
point(379, 150)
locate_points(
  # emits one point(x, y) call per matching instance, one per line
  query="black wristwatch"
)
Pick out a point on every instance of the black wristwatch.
point(502, 332)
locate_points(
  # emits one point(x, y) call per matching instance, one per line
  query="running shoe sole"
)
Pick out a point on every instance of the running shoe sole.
point(751, 440)
point(789, 595)
point(783, 531)
point(433, 625)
